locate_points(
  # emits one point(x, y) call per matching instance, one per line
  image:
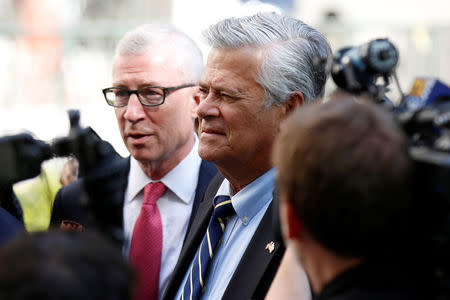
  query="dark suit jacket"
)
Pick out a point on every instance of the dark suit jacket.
point(67, 204)
point(9, 226)
point(258, 265)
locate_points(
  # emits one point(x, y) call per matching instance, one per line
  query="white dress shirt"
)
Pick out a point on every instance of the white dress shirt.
point(175, 207)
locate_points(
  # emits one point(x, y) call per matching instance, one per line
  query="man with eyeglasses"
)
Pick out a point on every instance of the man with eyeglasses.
point(155, 72)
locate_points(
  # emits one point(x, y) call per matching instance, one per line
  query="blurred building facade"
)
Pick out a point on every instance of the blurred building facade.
point(57, 54)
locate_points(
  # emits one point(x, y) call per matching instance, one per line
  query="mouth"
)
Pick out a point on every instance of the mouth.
point(137, 138)
point(212, 131)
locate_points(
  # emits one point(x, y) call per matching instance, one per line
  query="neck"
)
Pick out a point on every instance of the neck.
point(322, 265)
point(156, 170)
point(242, 175)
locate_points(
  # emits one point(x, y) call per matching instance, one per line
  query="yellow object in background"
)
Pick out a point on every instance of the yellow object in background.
point(36, 195)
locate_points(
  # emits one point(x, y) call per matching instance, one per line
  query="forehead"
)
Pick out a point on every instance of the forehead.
point(158, 65)
point(237, 66)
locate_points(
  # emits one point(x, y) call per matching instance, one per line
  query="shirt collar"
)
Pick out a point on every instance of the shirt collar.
point(249, 201)
point(176, 180)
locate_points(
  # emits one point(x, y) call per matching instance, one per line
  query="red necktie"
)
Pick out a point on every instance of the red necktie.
point(146, 244)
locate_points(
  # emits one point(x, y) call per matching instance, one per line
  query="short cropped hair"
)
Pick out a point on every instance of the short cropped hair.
point(345, 167)
point(63, 265)
point(139, 40)
point(295, 54)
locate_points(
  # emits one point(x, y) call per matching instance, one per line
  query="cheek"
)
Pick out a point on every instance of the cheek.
point(177, 124)
point(185, 112)
point(120, 119)
point(254, 129)
point(237, 119)
point(118, 113)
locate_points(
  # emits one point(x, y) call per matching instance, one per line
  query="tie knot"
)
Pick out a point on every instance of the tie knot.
point(223, 207)
point(153, 191)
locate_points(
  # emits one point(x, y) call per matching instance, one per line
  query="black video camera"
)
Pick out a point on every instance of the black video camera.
point(21, 157)
point(424, 115)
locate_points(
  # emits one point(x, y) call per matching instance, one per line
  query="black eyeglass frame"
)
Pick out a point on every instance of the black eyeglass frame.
point(166, 92)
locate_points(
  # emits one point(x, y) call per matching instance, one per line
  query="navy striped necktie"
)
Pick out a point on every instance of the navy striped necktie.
point(223, 209)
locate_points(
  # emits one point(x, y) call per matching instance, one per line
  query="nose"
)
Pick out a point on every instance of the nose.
point(134, 109)
point(208, 107)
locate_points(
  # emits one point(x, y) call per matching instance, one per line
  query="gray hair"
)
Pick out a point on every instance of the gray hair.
point(295, 54)
point(139, 40)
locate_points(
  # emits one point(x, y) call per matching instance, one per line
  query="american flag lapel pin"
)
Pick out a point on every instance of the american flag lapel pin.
point(270, 247)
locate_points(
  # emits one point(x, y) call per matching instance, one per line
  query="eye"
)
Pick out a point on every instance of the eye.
point(150, 92)
point(226, 96)
point(203, 92)
point(120, 93)
point(151, 95)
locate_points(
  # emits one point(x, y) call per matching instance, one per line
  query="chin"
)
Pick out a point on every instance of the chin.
point(207, 155)
point(141, 155)
point(212, 154)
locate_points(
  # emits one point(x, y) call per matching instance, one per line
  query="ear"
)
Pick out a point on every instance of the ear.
point(295, 228)
point(196, 97)
point(291, 225)
point(296, 100)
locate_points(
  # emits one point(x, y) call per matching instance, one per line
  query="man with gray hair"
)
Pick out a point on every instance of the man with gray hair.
point(154, 93)
point(260, 68)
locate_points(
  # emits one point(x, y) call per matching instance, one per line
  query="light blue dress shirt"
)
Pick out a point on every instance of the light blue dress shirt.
point(250, 205)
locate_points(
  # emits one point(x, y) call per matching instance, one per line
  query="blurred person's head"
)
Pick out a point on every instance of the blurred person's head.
point(63, 265)
point(152, 58)
point(344, 175)
point(259, 68)
point(69, 172)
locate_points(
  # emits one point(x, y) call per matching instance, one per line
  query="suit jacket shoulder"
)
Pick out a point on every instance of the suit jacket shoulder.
point(68, 203)
point(9, 226)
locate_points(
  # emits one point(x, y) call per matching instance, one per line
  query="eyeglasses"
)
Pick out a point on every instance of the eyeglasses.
point(147, 96)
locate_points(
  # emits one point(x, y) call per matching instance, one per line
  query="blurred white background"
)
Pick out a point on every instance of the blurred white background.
point(56, 54)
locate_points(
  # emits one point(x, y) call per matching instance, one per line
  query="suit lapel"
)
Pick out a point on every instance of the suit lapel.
point(261, 259)
point(194, 237)
point(206, 173)
point(125, 171)
point(201, 220)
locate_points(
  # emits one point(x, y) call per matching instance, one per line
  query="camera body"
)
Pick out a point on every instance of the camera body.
point(21, 157)
point(359, 69)
point(424, 116)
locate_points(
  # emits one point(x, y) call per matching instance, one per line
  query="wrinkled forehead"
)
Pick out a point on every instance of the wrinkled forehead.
point(156, 53)
point(238, 65)
point(158, 63)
